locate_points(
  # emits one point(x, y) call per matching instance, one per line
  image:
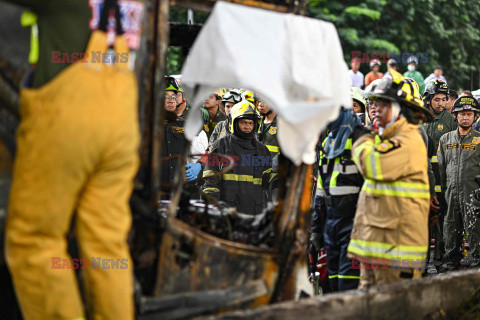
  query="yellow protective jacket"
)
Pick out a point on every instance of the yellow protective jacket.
point(392, 212)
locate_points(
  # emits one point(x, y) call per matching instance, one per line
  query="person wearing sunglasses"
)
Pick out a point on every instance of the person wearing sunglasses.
point(230, 98)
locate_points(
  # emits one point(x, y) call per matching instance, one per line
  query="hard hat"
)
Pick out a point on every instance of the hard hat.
point(466, 103)
point(413, 59)
point(171, 84)
point(234, 96)
point(244, 110)
point(220, 92)
point(357, 95)
point(248, 95)
point(395, 87)
point(370, 88)
point(434, 87)
point(374, 62)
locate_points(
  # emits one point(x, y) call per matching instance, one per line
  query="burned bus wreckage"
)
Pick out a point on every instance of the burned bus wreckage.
point(195, 256)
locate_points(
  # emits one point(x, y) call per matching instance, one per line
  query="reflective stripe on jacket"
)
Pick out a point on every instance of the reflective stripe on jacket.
point(392, 212)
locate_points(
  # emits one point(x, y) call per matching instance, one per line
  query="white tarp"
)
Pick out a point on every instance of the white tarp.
point(295, 63)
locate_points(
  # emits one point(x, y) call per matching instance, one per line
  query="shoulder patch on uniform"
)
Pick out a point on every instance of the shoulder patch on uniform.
point(273, 130)
point(178, 129)
point(205, 127)
point(387, 145)
point(476, 140)
point(440, 127)
point(452, 146)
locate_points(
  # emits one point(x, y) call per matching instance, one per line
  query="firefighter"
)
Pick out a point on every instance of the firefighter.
point(174, 141)
point(436, 98)
point(242, 186)
point(458, 159)
point(268, 128)
point(230, 98)
point(390, 230)
point(76, 158)
point(359, 103)
point(338, 186)
point(214, 114)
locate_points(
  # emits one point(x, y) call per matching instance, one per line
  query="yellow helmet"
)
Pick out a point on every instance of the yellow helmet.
point(220, 93)
point(248, 95)
point(244, 110)
point(405, 91)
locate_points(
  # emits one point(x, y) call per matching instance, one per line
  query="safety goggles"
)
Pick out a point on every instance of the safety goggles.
point(232, 96)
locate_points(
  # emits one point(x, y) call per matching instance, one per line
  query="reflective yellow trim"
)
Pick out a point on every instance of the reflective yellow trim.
point(211, 190)
point(348, 277)
point(333, 179)
point(348, 145)
point(208, 173)
point(397, 189)
point(29, 19)
point(274, 149)
point(242, 178)
point(333, 277)
point(438, 189)
point(386, 250)
point(434, 159)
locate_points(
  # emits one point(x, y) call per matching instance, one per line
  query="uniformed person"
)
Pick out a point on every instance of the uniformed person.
point(390, 232)
point(174, 141)
point(338, 186)
point(230, 98)
point(214, 114)
point(242, 186)
point(268, 128)
point(436, 98)
point(359, 103)
point(459, 162)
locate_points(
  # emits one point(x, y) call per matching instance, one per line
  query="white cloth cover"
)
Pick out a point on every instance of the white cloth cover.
point(294, 63)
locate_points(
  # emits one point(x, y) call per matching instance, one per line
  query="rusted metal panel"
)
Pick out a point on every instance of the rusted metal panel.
point(191, 261)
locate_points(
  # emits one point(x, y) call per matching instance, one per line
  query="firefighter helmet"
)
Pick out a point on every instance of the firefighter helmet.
point(357, 95)
point(248, 95)
point(171, 84)
point(233, 96)
point(434, 87)
point(244, 110)
point(466, 103)
point(396, 87)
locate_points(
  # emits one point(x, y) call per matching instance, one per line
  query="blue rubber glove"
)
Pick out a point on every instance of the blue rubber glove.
point(192, 170)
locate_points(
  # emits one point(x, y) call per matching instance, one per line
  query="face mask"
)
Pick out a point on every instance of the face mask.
point(411, 68)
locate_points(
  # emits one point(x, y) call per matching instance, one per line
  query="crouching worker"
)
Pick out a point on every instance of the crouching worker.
point(242, 186)
point(390, 231)
point(338, 186)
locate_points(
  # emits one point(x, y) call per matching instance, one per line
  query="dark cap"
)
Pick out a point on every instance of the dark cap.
point(438, 67)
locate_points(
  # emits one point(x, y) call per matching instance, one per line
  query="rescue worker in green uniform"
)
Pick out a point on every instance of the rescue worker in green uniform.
point(436, 97)
point(242, 186)
point(214, 114)
point(459, 161)
point(268, 128)
point(230, 98)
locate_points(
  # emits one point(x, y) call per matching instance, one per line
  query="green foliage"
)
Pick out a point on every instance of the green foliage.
point(445, 30)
